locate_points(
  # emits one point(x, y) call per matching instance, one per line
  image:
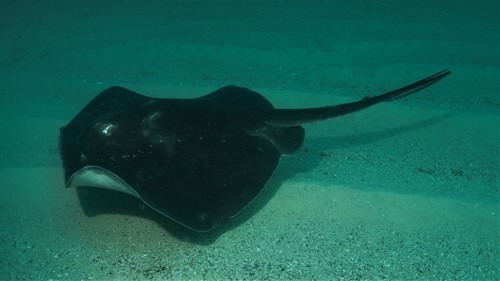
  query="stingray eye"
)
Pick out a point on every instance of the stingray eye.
point(107, 129)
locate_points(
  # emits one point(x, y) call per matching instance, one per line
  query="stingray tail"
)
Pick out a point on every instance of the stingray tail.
point(293, 117)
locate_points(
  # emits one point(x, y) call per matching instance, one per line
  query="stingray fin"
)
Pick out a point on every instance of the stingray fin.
point(286, 139)
point(237, 97)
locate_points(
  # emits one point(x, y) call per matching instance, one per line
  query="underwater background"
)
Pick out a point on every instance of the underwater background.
point(406, 190)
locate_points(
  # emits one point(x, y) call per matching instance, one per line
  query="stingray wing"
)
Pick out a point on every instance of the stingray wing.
point(192, 160)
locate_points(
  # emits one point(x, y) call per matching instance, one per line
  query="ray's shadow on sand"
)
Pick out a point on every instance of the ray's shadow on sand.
point(96, 201)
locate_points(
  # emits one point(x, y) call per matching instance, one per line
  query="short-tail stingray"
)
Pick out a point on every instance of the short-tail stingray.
point(197, 161)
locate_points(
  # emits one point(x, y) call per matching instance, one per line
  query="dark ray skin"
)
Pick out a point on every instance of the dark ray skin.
point(197, 161)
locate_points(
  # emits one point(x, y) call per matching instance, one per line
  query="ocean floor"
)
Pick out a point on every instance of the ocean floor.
point(406, 190)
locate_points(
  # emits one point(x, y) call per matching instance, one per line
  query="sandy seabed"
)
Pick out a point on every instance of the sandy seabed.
point(403, 191)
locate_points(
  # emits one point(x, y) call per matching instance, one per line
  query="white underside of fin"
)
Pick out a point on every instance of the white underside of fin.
point(96, 176)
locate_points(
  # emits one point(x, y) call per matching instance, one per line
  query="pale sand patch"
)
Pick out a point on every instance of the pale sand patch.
point(305, 230)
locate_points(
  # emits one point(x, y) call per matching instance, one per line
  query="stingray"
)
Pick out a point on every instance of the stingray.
point(197, 161)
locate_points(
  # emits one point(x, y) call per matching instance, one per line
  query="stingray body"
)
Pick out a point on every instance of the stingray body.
point(197, 161)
